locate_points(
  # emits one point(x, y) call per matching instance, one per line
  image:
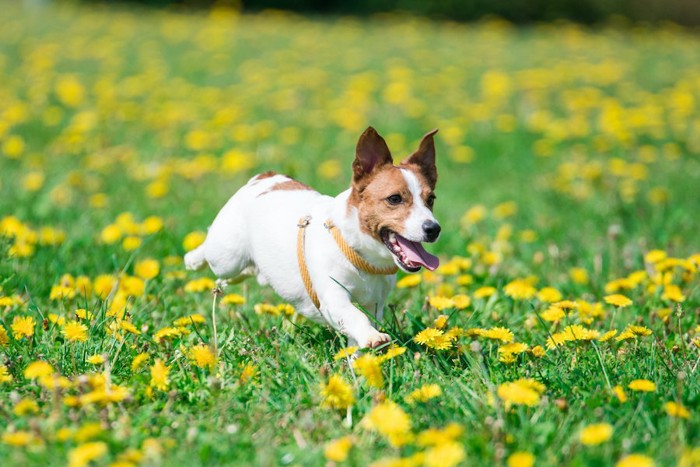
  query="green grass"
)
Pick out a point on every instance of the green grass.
point(593, 134)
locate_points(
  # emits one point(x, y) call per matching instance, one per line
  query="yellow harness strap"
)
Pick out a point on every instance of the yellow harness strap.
point(358, 261)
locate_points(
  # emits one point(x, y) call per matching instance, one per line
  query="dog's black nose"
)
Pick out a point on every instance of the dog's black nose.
point(432, 230)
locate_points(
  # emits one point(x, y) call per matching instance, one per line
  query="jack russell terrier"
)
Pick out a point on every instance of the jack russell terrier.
point(321, 253)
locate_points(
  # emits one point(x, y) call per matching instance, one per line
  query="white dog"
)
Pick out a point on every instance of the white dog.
point(321, 253)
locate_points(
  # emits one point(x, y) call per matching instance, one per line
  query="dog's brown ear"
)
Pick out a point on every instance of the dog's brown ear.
point(371, 152)
point(424, 158)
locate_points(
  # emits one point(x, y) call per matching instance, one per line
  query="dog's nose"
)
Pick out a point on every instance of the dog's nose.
point(432, 230)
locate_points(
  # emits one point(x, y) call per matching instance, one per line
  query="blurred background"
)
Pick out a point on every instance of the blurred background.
point(517, 11)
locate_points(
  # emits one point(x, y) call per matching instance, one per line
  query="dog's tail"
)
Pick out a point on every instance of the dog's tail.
point(194, 260)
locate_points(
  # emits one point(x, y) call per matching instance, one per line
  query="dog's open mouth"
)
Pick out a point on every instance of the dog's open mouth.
point(410, 256)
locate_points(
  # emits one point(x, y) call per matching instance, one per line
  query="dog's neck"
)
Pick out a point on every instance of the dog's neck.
point(346, 219)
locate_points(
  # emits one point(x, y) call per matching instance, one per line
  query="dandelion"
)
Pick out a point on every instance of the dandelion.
point(673, 293)
point(23, 326)
point(4, 338)
point(618, 300)
point(38, 369)
point(139, 360)
point(192, 240)
point(345, 353)
point(441, 303)
point(202, 356)
point(82, 455)
point(147, 269)
point(189, 320)
point(369, 367)
point(620, 393)
point(632, 332)
point(549, 295)
point(498, 333)
point(424, 393)
point(159, 375)
point(598, 433)
point(96, 359)
point(391, 421)
point(18, 438)
point(433, 338)
point(25, 407)
point(75, 331)
point(336, 393)
point(674, 409)
point(440, 321)
point(233, 299)
point(5, 376)
point(521, 392)
point(484, 292)
point(520, 289)
point(635, 460)
point(248, 373)
point(444, 455)
point(409, 281)
point(200, 285)
point(520, 459)
point(643, 385)
point(338, 449)
point(392, 351)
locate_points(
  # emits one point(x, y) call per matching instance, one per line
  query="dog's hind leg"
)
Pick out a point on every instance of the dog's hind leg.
point(194, 260)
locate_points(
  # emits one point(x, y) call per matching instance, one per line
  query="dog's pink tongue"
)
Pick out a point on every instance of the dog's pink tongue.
point(417, 254)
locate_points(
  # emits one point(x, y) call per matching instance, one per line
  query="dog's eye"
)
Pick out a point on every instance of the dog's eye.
point(430, 201)
point(394, 199)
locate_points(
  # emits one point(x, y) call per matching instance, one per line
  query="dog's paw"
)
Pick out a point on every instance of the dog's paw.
point(375, 340)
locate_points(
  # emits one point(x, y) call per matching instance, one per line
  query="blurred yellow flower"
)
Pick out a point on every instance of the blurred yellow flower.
point(635, 460)
point(192, 240)
point(643, 385)
point(336, 393)
point(521, 392)
point(337, 450)
point(674, 409)
point(596, 434)
point(391, 421)
point(75, 331)
point(520, 459)
point(23, 326)
point(147, 268)
point(159, 375)
point(618, 300)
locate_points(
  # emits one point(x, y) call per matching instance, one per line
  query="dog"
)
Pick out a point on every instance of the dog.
point(323, 253)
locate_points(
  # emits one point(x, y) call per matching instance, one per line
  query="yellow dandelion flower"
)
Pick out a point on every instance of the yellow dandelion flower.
point(620, 393)
point(553, 314)
point(433, 338)
point(147, 269)
point(82, 455)
point(498, 333)
point(159, 375)
point(391, 352)
point(674, 409)
point(344, 353)
point(441, 303)
point(25, 407)
point(337, 393)
point(23, 326)
point(202, 356)
point(96, 359)
point(192, 240)
point(424, 393)
point(190, 320)
point(409, 281)
point(608, 335)
point(549, 295)
point(484, 292)
point(520, 289)
point(75, 331)
point(643, 385)
point(248, 373)
point(391, 421)
point(38, 369)
point(654, 256)
point(520, 459)
point(337, 450)
point(521, 392)
point(4, 338)
point(474, 215)
point(166, 333)
point(233, 299)
point(369, 367)
point(18, 438)
point(673, 293)
point(444, 455)
point(200, 285)
point(595, 434)
point(5, 376)
point(618, 300)
point(437, 436)
point(461, 301)
point(635, 460)
point(139, 360)
point(440, 321)
point(512, 348)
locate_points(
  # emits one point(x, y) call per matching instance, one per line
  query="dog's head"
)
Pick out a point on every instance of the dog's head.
point(395, 203)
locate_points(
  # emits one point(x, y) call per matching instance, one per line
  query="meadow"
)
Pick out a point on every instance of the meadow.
point(560, 329)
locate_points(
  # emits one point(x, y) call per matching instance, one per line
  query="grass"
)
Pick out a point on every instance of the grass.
point(568, 158)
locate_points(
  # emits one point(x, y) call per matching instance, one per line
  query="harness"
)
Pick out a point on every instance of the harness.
point(350, 253)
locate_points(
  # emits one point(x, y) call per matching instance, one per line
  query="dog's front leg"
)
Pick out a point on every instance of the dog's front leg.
point(349, 320)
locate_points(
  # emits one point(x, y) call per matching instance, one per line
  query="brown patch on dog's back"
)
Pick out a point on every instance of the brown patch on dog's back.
point(288, 185)
point(264, 175)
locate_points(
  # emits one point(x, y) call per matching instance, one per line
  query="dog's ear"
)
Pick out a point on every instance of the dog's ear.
point(424, 158)
point(371, 153)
